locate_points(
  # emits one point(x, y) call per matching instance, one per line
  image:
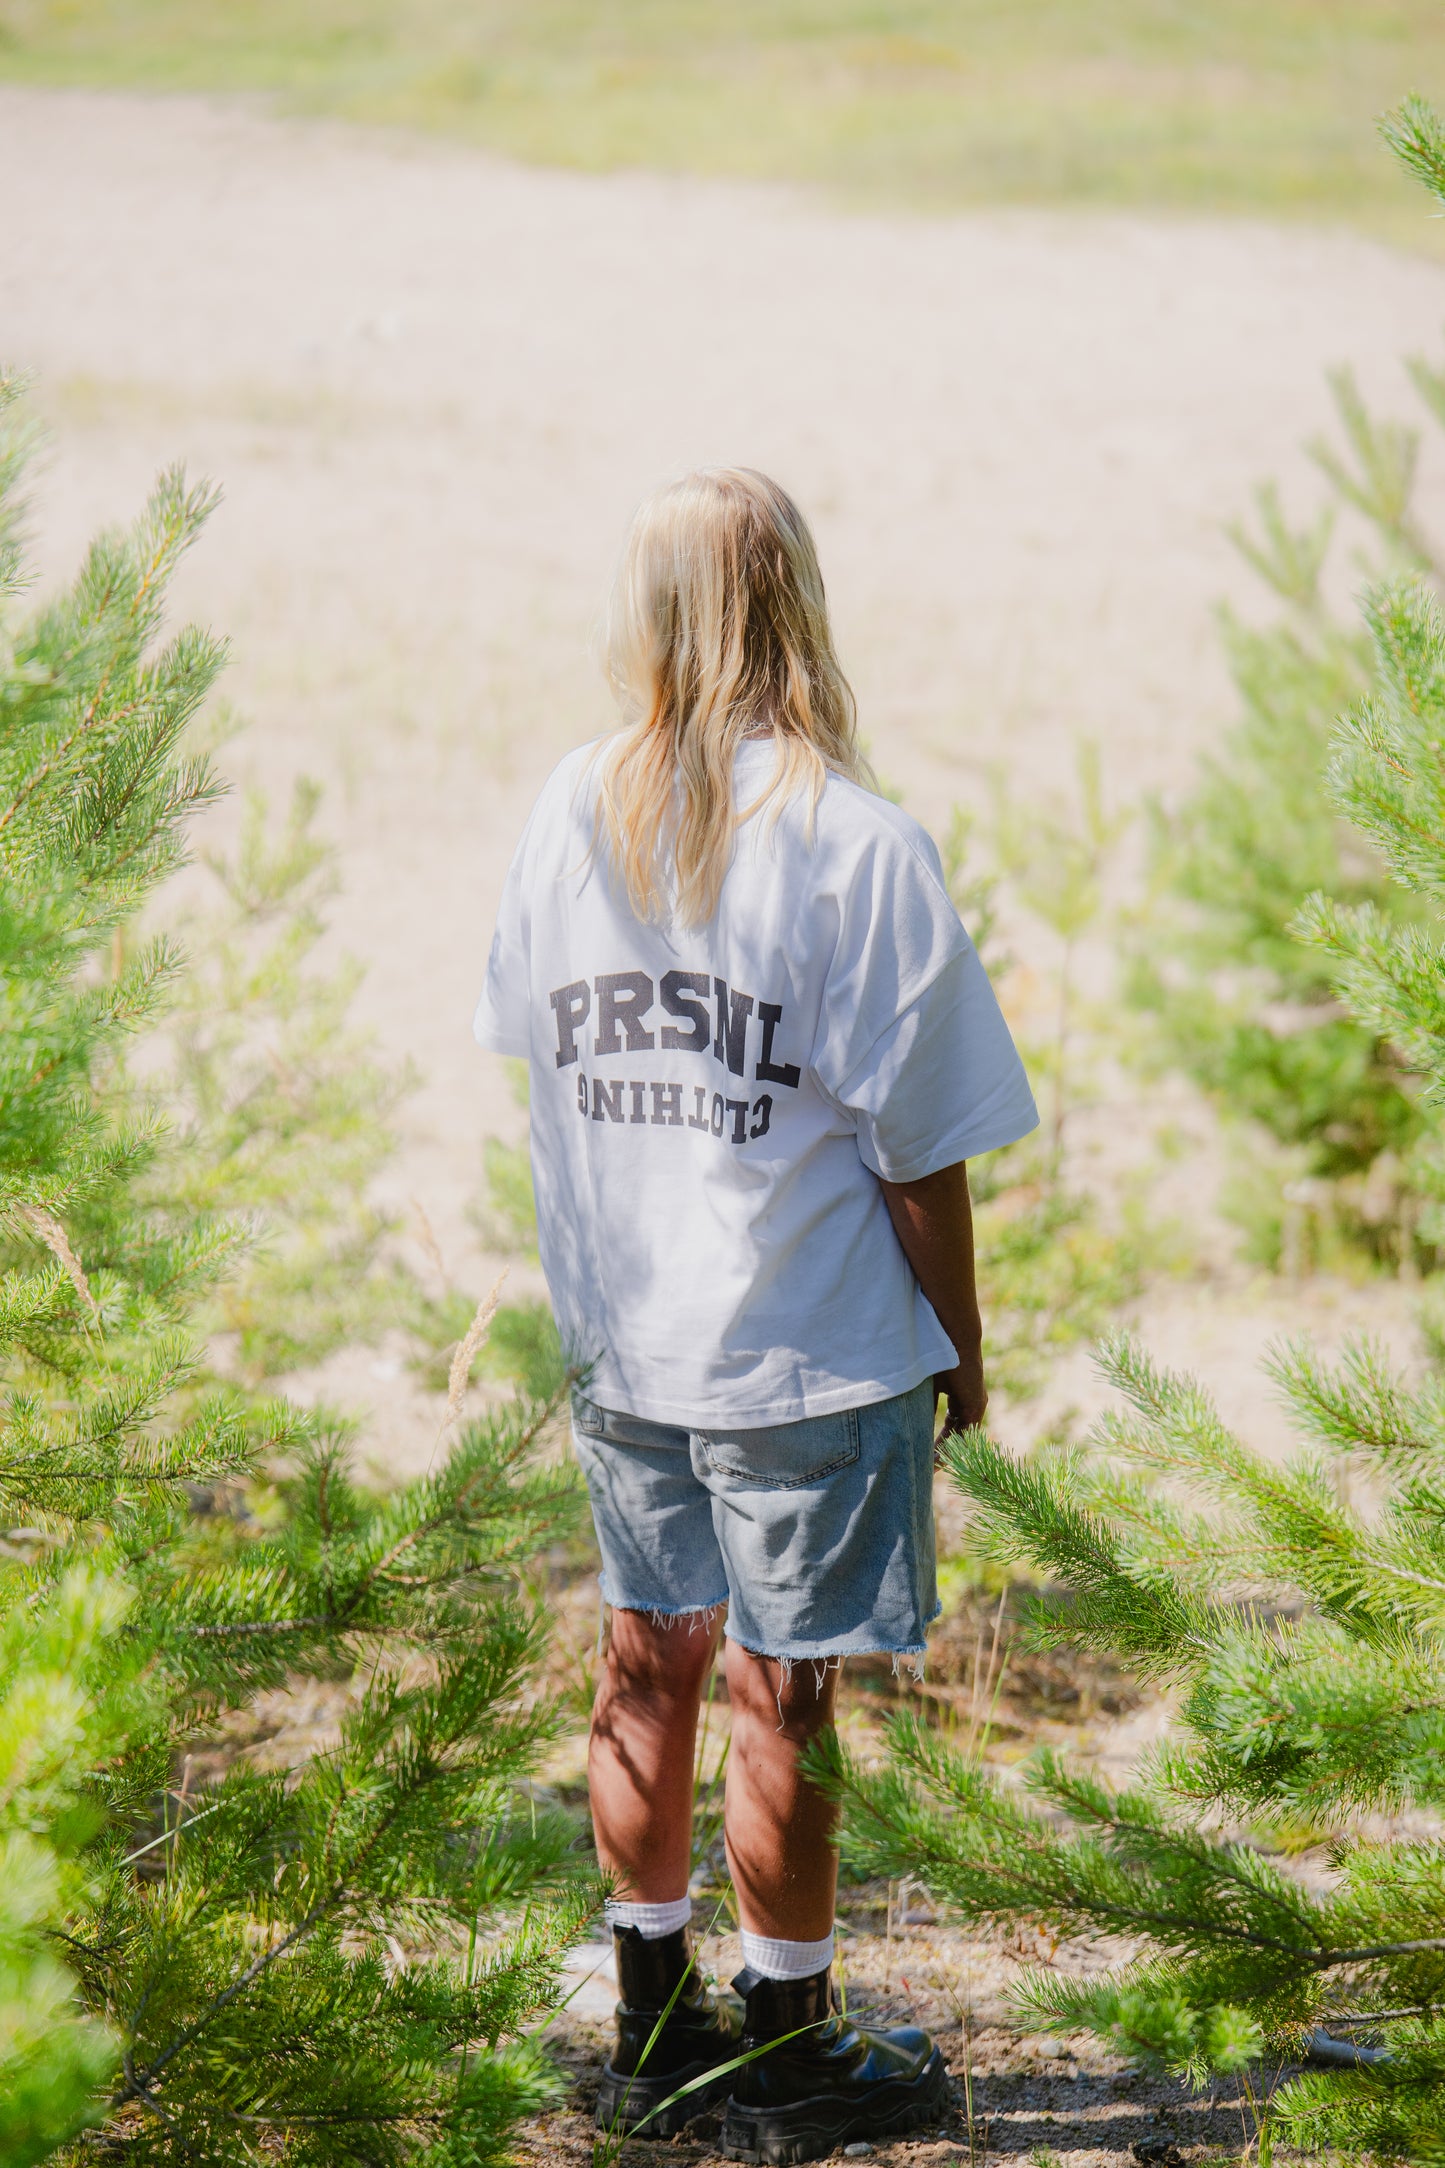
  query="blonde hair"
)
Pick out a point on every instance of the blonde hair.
point(718, 630)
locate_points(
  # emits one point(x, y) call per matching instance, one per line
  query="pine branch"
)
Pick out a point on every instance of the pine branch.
point(1416, 135)
point(1360, 1406)
point(1027, 1514)
point(172, 521)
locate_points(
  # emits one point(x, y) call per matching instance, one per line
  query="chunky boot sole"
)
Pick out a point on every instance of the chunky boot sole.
point(810, 2129)
point(623, 2102)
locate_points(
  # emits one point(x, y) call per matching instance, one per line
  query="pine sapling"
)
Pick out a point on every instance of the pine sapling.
point(202, 1958)
point(1295, 1607)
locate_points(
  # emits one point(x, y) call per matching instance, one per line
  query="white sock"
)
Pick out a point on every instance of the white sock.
point(779, 1960)
point(651, 1921)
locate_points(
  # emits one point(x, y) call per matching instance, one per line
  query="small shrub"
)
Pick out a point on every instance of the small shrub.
point(201, 1959)
point(1296, 1607)
point(1325, 1112)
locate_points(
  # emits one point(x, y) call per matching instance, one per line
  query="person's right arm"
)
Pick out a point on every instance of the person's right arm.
point(933, 1219)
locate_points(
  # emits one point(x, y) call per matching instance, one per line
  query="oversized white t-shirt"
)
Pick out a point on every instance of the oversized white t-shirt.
point(711, 1106)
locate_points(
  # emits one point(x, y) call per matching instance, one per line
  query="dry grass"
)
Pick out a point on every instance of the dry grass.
point(1219, 106)
point(473, 1340)
point(48, 1229)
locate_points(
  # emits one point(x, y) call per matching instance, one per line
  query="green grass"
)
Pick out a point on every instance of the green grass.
point(1197, 105)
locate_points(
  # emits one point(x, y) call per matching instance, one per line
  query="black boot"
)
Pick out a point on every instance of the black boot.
point(831, 2084)
point(696, 2035)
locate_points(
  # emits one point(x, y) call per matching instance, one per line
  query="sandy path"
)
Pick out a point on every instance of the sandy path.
point(434, 385)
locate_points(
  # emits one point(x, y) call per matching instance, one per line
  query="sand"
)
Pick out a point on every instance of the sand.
point(434, 385)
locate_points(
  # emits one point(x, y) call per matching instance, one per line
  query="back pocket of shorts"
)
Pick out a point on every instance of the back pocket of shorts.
point(785, 1456)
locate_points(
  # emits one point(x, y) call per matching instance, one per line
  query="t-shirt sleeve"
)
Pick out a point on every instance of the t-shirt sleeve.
point(944, 1082)
point(916, 1048)
point(502, 1022)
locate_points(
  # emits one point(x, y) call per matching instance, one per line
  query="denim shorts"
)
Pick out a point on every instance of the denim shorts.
point(818, 1536)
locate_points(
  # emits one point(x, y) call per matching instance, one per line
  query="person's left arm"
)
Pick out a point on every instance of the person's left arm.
point(933, 1219)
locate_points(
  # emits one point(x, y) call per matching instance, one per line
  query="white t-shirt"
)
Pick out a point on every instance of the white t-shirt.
point(711, 1106)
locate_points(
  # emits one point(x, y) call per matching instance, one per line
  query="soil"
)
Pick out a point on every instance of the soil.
point(434, 385)
point(1062, 2100)
point(1011, 2101)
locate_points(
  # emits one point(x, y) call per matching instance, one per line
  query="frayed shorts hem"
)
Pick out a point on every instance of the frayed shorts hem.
point(819, 1652)
point(656, 1611)
point(665, 1614)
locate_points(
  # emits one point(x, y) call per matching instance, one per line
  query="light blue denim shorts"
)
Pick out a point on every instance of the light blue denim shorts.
point(818, 1536)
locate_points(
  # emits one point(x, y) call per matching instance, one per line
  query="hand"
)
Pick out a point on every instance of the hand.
point(933, 1220)
point(966, 1394)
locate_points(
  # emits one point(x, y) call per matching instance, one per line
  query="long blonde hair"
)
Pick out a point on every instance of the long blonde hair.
point(718, 630)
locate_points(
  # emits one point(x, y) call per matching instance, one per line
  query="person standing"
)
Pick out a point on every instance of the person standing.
point(762, 1050)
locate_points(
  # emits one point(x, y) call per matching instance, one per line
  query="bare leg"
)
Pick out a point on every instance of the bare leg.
point(639, 1757)
point(780, 1828)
